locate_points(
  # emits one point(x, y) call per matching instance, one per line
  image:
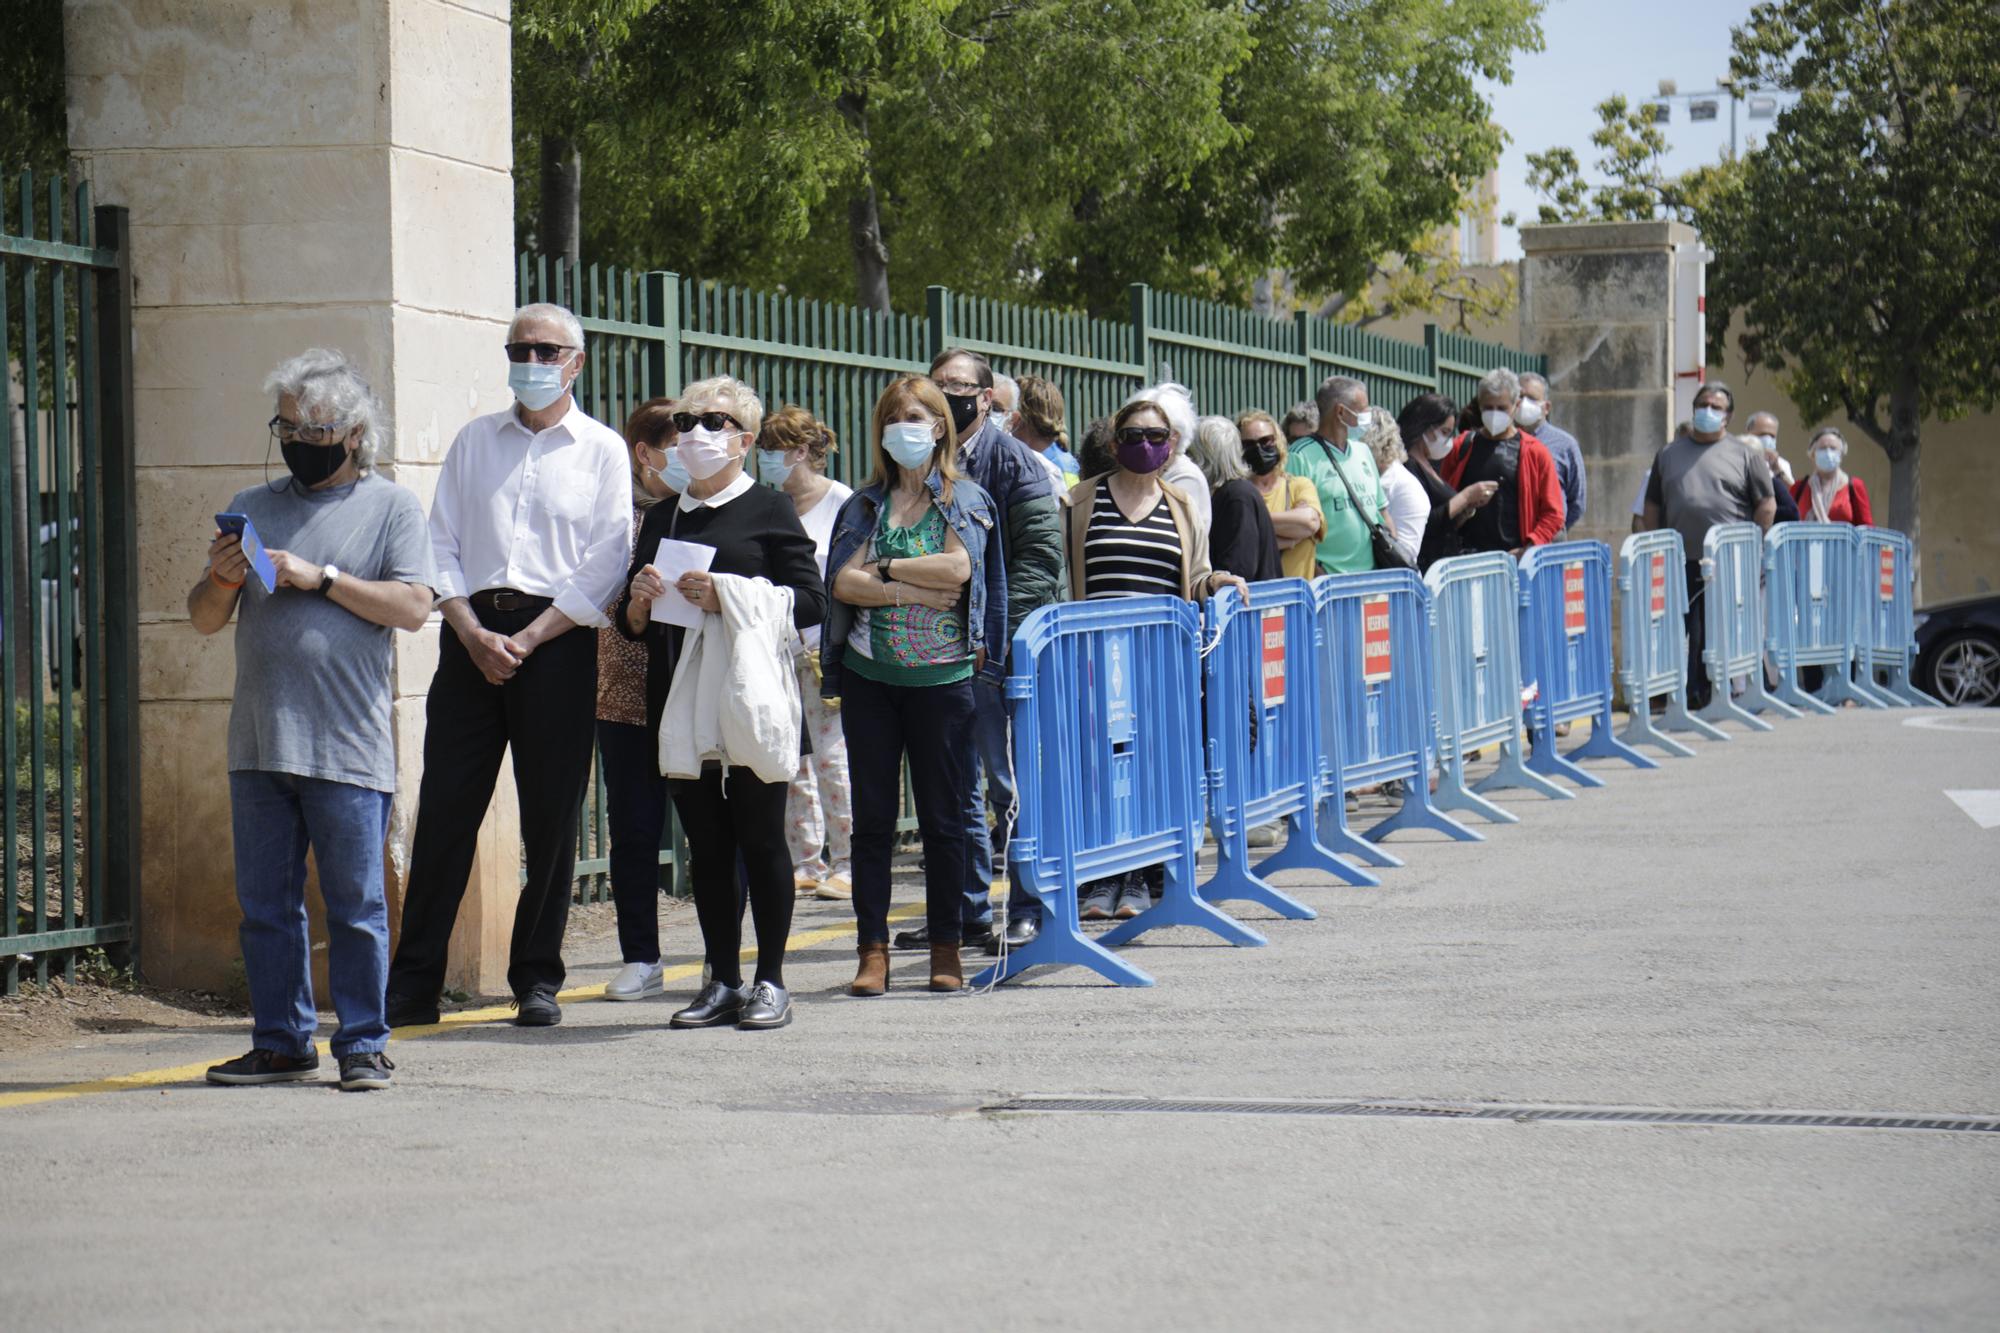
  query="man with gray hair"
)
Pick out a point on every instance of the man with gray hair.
point(1336, 458)
point(1527, 507)
point(1301, 420)
point(532, 531)
point(312, 751)
point(1533, 414)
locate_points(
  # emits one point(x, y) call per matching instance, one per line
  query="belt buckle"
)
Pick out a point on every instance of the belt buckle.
point(506, 600)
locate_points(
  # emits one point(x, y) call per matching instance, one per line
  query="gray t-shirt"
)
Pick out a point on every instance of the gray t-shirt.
point(1700, 485)
point(312, 678)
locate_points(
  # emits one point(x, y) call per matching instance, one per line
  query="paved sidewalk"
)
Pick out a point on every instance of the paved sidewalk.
point(1801, 920)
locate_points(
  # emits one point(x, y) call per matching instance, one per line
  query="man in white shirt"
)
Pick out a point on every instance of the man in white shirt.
point(531, 531)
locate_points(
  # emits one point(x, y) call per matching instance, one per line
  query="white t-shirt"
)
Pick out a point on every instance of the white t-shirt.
point(818, 523)
point(1409, 508)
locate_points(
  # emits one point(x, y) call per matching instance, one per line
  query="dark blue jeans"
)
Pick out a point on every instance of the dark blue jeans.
point(636, 809)
point(276, 817)
point(932, 724)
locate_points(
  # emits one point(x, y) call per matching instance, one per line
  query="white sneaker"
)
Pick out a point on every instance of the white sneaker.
point(635, 981)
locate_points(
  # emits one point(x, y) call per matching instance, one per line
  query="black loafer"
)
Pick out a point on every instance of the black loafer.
point(920, 938)
point(768, 1007)
point(407, 1011)
point(536, 1007)
point(1020, 931)
point(717, 1004)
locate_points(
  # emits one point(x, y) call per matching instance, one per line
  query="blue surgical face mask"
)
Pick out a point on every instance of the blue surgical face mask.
point(534, 384)
point(1358, 432)
point(1707, 420)
point(772, 469)
point(675, 473)
point(909, 443)
point(1828, 459)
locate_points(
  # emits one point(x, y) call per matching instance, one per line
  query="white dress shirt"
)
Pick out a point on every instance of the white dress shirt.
point(546, 513)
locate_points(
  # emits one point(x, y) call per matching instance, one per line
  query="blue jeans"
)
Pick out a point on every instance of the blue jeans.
point(990, 737)
point(276, 818)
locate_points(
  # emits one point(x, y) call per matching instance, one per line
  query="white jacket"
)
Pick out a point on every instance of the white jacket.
point(735, 697)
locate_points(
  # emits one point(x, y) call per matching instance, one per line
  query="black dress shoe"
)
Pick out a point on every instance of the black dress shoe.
point(769, 1006)
point(1020, 930)
point(407, 1011)
point(717, 1004)
point(536, 1007)
point(920, 938)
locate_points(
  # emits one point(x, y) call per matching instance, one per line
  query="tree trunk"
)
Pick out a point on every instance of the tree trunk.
point(871, 256)
point(562, 198)
point(1905, 456)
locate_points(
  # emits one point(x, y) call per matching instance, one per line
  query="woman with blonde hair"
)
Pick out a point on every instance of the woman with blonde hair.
point(1297, 522)
point(913, 575)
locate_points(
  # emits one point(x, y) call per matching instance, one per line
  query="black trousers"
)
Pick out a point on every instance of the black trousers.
point(545, 714)
point(932, 724)
point(724, 819)
point(1697, 633)
point(629, 758)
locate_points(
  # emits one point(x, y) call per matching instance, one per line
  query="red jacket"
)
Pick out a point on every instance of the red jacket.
point(1539, 486)
point(1850, 502)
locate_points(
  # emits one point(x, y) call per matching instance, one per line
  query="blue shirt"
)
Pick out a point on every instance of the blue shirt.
point(1568, 456)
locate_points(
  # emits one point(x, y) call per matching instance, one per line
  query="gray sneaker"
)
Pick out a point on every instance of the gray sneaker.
point(769, 1006)
point(364, 1070)
point(1134, 896)
point(1099, 898)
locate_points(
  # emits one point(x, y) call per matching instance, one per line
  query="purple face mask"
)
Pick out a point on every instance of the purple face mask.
point(1142, 455)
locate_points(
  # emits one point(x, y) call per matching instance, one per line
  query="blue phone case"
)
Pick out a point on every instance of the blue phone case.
point(253, 548)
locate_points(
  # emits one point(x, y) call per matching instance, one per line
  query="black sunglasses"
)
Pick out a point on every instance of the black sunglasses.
point(546, 353)
point(687, 421)
point(1259, 442)
point(1149, 434)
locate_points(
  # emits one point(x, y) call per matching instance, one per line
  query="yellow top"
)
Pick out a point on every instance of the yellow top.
point(1299, 560)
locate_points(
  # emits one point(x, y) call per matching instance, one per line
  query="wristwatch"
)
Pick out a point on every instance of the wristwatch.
point(327, 578)
point(882, 570)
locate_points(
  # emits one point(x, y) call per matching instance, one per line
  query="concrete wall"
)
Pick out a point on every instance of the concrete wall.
point(332, 173)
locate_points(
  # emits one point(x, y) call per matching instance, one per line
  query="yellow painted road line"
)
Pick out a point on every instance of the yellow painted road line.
point(160, 1078)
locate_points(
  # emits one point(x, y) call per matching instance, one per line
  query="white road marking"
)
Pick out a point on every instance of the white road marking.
point(1957, 719)
point(1983, 806)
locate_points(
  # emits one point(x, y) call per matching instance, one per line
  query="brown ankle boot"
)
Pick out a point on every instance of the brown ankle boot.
point(872, 978)
point(947, 974)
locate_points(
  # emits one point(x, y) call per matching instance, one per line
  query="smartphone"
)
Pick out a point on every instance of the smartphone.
point(253, 549)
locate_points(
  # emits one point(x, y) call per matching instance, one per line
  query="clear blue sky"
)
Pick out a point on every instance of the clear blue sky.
point(1598, 47)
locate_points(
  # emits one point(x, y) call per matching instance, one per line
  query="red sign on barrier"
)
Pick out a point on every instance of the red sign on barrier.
point(1374, 639)
point(1273, 626)
point(1576, 607)
point(1888, 575)
point(1659, 584)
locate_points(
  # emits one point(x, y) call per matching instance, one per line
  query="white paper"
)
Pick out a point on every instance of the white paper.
point(674, 559)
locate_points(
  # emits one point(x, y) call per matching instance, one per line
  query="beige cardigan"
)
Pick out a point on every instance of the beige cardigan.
point(1195, 572)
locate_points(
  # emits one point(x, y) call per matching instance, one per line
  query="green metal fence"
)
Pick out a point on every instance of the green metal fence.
point(69, 813)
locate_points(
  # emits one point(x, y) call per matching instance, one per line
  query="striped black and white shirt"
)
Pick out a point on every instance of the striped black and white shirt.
point(1126, 559)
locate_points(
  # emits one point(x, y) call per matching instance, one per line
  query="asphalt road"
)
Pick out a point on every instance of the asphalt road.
point(1799, 921)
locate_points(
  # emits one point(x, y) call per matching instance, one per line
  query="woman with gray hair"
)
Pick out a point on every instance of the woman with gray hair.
point(1174, 402)
point(1409, 507)
point(1240, 537)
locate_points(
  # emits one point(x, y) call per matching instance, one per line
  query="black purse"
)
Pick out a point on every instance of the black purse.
point(1380, 544)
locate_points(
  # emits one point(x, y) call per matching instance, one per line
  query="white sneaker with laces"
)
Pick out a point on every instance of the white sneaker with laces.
point(635, 981)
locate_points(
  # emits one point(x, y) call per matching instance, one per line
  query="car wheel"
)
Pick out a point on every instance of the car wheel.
point(1965, 670)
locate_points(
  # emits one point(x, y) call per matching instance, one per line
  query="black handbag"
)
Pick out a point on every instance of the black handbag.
point(1380, 544)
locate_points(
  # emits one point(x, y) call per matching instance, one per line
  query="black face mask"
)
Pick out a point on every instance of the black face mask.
point(964, 407)
point(1262, 459)
point(312, 464)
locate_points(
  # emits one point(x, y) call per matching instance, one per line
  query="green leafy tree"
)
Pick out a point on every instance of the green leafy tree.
point(1635, 187)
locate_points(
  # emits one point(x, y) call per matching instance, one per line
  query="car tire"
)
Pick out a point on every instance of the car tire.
point(1963, 670)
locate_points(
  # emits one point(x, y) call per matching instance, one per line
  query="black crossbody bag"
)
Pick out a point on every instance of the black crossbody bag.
point(1380, 544)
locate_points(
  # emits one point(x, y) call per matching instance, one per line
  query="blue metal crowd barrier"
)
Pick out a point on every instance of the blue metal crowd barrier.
point(1478, 672)
point(1813, 579)
point(1376, 693)
point(1107, 751)
point(1652, 581)
point(1566, 656)
point(1261, 699)
point(1732, 607)
point(1885, 632)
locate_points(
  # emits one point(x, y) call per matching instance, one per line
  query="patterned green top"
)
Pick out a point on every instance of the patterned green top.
point(910, 645)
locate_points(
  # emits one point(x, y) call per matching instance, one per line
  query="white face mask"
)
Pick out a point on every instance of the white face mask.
point(1496, 421)
point(1527, 414)
point(1770, 443)
point(705, 452)
point(1437, 444)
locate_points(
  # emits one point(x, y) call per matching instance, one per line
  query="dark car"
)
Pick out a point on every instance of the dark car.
point(1958, 651)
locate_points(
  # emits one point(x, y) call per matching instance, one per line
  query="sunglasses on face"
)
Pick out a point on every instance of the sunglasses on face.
point(687, 421)
point(1259, 441)
point(1144, 434)
point(546, 353)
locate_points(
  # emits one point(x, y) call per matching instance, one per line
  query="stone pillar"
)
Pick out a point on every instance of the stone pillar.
point(1597, 298)
point(333, 174)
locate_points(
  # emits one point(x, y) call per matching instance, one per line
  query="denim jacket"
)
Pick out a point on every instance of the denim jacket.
point(969, 513)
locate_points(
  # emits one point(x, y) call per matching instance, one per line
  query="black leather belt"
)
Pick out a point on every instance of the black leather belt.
point(506, 599)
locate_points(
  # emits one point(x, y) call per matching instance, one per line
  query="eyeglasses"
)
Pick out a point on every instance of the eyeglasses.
point(546, 353)
point(687, 421)
point(1147, 434)
point(1259, 441)
point(296, 432)
point(958, 388)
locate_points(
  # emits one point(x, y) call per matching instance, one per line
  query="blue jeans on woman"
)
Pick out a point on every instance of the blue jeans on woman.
point(276, 818)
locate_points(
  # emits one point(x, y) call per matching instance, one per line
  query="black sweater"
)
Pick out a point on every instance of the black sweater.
point(1442, 537)
point(756, 534)
point(1240, 538)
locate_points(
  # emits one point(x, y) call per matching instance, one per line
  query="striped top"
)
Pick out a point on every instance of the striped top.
point(1126, 559)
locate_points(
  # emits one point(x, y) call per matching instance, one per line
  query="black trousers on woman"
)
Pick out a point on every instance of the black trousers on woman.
point(726, 818)
point(932, 724)
point(629, 758)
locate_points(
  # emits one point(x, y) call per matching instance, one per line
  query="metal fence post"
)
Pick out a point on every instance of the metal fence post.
point(663, 311)
point(1431, 357)
point(1142, 328)
point(1308, 389)
point(121, 572)
point(937, 308)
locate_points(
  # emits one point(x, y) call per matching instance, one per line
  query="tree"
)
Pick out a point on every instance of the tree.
point(1859, 250)
point(1637, 189)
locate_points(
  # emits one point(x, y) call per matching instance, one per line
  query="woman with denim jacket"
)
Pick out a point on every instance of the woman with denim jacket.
point(910, 580)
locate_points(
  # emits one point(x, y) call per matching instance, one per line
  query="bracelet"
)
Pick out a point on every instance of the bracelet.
point(222, 583)
point(898, 588)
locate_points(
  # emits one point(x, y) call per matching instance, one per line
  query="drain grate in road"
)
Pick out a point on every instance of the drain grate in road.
point(1527, 1114)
